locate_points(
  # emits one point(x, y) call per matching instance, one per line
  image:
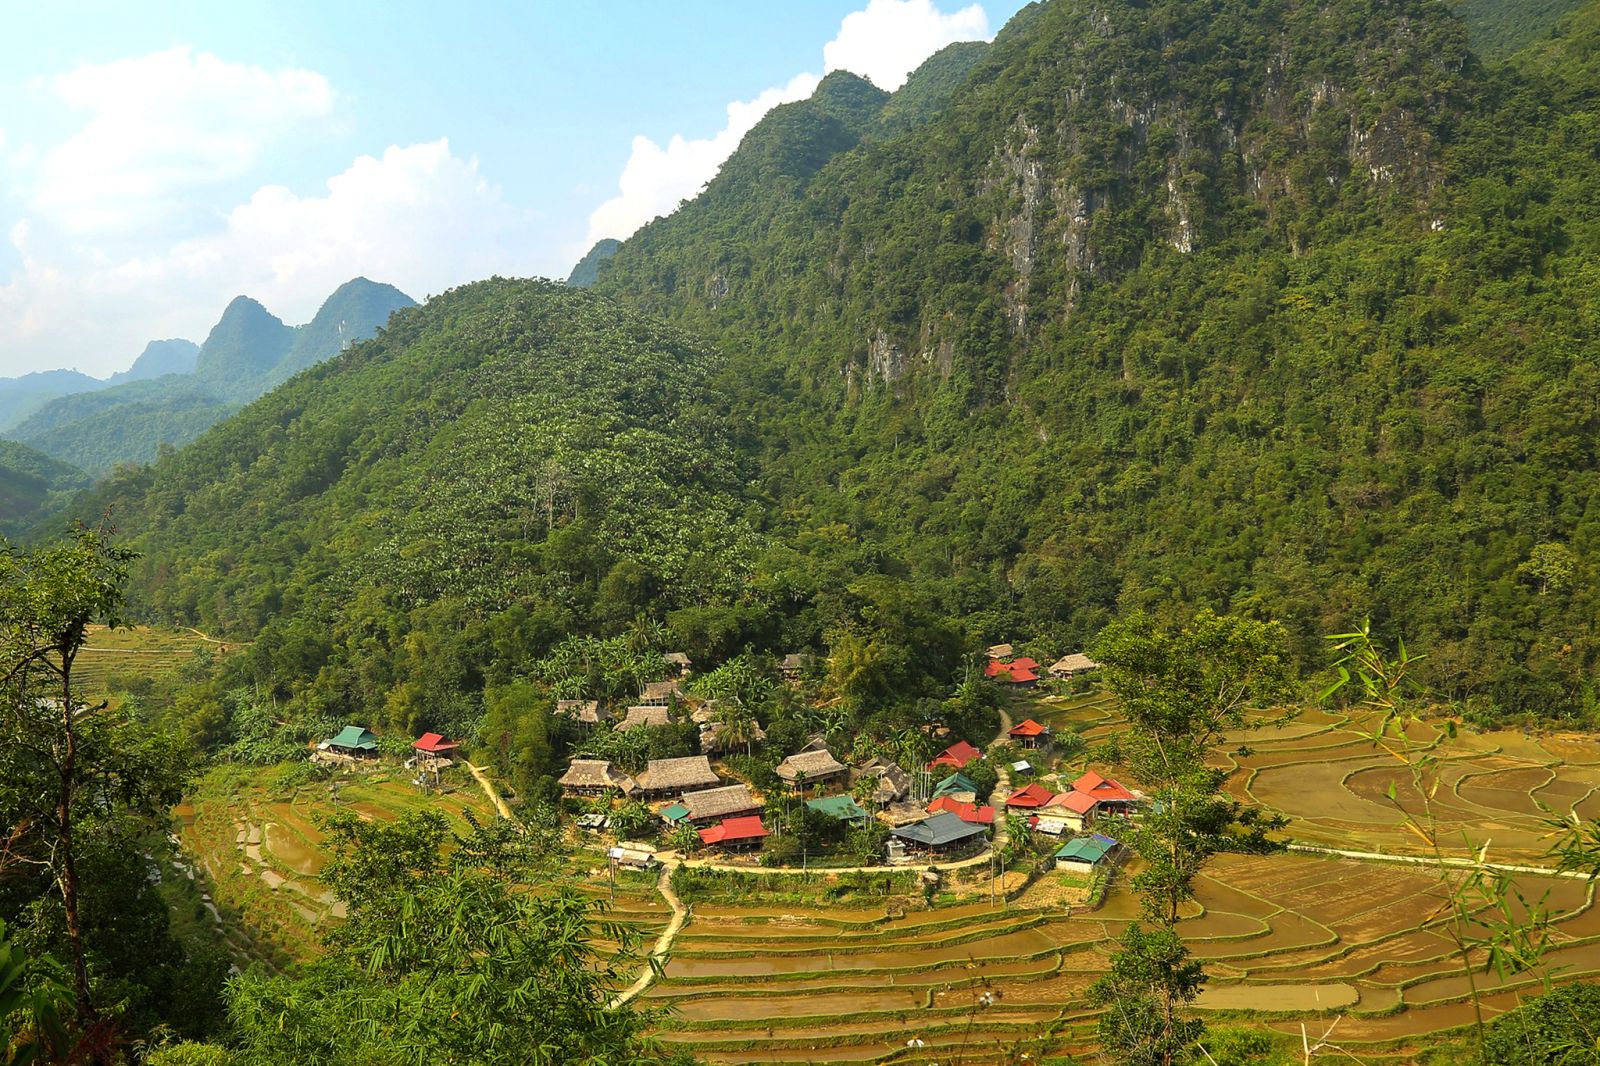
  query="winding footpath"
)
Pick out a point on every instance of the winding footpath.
point(663, 945)
point(489, 790)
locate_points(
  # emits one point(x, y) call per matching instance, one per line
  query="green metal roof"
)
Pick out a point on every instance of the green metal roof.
point(956, 782)
point(354, 736)
point(942, 828)
point(1083, 849)
point(843, 808)
point(675, 813)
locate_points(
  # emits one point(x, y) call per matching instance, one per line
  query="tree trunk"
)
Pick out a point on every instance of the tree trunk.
point(68, 876)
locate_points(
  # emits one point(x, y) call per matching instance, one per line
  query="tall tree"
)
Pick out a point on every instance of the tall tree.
point(1179, 692)
point(48, 600)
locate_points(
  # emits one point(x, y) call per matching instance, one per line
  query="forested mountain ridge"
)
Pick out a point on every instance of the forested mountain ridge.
point(1501, 28)
point(30, 482)
point(248, 351)
point(510, 444)
point(1278, 307)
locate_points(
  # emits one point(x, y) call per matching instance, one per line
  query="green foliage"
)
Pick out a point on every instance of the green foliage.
point(34, 1002)
point(445, 957)
point(979, 351)
point(1559, 1028)
point(1501, 27)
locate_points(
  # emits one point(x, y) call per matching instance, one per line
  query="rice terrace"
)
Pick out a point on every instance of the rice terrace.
point(780, 966)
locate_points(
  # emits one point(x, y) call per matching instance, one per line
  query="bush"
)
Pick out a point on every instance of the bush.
point(1560, 1028)
point(189, 1054)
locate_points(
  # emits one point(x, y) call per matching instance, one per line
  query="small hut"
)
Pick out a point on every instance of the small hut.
point(842, 807)
point(956, 756)
point(892, 783)
point(677, 662)
point(595, 777)
point(707, 805)
point(1000, 651)
point(1084, 854)
point(1030, 734)
point(808, 768)
point(1073, 665)
point(660, 693)
point(584, 712)
point(671, 778)
point(352, 742)
point(644, 716)
point(735, 834)
point(941, 834)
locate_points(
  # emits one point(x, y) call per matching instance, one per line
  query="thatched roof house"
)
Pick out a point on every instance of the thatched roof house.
point(676, 661)
point(711, 737)
point(660, 693)
point(586, 712)
point(713, 803)
point(1001, 651)
point(642, 716)
point(673, 777)
point(595, 777)
point(892, 784)
point(1073, 665)
point(812, 767)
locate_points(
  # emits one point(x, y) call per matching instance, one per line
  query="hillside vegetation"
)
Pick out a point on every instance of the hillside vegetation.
point(1272, 307)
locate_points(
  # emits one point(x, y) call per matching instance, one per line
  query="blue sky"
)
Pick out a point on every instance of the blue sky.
point(156, 160)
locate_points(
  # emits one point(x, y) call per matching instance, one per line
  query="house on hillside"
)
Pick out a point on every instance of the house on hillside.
point(352, 742)
point(941, 834)
point(892, 783)
point(637, 716)
point(1030, 734)
point(707, 805)
point(1072, 666)
point(434, 746)
point(842, 807)
point(633, 858)
point(957, 786)
point(585, 712)
point(1107, 792)
point(595, 777)
point(1084, 855)
point(677, 662)
point(967, 812)
point(1000, 651)
point(1029, 797)
point(1076, 809)
point(660, 693)
point(716, 736)
point(793, 666)
point(671, 778)
point(1017, 672)
point(956, 756)
point(813, 768)
point(735, 834)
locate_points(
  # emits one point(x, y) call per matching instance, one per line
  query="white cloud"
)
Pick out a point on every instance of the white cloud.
point(883, 42)
point(655, 179)
point(889, 39)
point(160, 126)
point(418, 217)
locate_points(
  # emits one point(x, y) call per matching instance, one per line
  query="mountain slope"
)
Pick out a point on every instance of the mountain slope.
point(1273, 305)
point(21, 396)
point(159, 359)
point(587, 269)
point(30, 484)
point(247, 352)
point(509, 443)
point(1500, 28)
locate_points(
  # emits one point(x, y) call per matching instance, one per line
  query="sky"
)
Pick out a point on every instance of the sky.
point(157, 160)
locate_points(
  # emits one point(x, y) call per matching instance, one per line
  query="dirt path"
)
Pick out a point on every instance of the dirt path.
point(1423, 860)
point(489, 790)
point(658, 954)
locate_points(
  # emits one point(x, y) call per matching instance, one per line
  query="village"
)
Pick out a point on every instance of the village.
point(816, 811)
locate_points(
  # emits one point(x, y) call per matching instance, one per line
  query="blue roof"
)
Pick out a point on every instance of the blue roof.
point(842, 807)
point(1101, 838)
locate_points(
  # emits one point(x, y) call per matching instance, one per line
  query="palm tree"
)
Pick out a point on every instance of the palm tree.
point(736, 724)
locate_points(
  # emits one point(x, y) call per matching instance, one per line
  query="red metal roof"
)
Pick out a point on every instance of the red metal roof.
point(731, 830)
point(1023, 662)
point(435, 743)
point(1102, 788)
point(994, 668)
point(967, 812)
point(1020, 674)
point(1075, 801)
point(958, 755)
point(1032, 794)
point(1030, 728)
